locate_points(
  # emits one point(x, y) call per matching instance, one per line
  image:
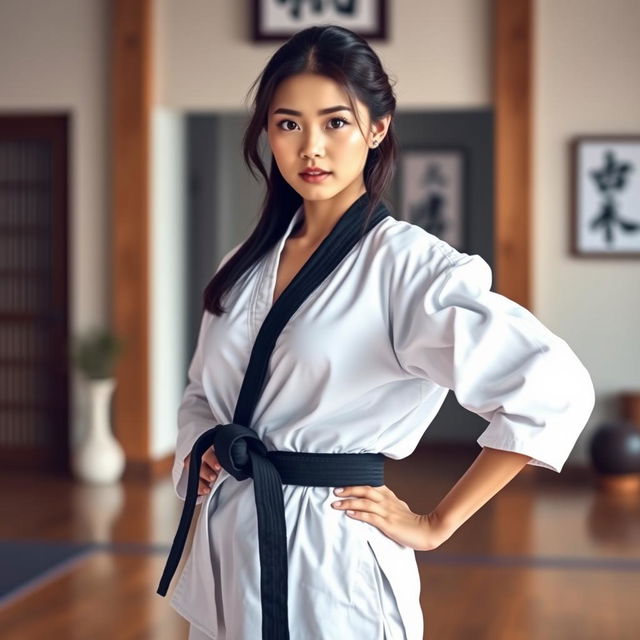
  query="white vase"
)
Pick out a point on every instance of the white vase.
point(99, 458)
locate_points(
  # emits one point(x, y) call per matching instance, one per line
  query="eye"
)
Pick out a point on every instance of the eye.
point(339, 120)
point(282, 122)
point(344, 122)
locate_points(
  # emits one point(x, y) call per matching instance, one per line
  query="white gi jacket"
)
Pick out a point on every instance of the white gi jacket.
point(363, 365)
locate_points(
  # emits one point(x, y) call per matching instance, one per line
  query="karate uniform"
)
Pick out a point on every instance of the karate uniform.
point(363, 365)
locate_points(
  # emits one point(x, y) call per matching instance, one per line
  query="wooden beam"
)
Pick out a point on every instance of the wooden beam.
point(131, 104)
point(512, 64)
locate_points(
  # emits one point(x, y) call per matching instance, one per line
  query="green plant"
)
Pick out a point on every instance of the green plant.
point(95, 353)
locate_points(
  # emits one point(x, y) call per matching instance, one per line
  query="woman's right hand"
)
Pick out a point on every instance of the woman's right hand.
point(209, 470)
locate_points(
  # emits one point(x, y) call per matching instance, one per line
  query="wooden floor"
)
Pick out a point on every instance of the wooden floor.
point(550, 556)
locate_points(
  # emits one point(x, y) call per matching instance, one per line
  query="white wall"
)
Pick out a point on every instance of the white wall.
point(586, 82)
point(167, 276)
point(439, 52)
point(53, 56)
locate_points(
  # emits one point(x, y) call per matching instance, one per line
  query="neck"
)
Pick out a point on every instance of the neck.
point(320, 216)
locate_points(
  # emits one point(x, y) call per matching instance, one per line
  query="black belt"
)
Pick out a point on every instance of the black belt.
point(241, 452)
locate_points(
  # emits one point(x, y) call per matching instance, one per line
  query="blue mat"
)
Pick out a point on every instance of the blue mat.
point(25, 565)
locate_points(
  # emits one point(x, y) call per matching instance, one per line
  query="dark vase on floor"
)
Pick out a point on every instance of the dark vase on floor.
point(615, 454)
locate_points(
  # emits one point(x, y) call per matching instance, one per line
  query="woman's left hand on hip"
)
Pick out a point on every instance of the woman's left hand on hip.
point(381, 507)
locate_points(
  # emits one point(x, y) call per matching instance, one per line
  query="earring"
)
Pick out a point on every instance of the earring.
point(375, 142)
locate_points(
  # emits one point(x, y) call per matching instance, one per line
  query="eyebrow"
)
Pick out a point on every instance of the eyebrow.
point(292, 112)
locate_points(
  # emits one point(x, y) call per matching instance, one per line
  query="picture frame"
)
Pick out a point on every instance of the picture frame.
point(605, 194)
point(432, 184)
point(280, 19)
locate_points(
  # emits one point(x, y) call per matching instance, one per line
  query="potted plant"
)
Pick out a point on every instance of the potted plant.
point(98, 458)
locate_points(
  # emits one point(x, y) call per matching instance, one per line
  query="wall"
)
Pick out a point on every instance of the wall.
point(585, 83)
point(167, 272)
point(440, 52)
point(218, 182)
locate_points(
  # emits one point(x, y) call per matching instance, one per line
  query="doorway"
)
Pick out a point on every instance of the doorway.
point(34, 322)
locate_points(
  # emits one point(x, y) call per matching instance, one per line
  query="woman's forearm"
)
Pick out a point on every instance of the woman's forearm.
point(489, 472)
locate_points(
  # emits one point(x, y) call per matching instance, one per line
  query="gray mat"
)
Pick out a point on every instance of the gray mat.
point(24, 564)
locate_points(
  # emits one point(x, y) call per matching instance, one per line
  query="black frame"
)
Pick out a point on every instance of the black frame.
point(380, 33)
point(464, 183)
point(575, 146)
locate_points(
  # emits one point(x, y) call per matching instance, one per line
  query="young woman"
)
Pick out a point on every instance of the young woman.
point(361, 366)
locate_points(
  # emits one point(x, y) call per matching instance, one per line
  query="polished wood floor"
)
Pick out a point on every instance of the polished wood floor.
point(550, 556)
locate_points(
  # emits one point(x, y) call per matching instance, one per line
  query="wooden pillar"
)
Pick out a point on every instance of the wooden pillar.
point(131, 105)
point(513, 108)
point(512, 95)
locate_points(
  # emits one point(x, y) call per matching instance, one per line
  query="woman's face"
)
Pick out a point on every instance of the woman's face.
point(301, 137)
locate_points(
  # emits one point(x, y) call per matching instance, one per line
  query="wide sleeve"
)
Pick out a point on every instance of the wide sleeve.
point(194, 412)
point(500, 361)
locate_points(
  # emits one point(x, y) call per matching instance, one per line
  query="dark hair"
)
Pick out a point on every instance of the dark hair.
point(348, 59)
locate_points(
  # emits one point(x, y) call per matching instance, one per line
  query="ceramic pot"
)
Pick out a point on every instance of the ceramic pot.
point(99, 458)
point(615, 448)
point(615, 454)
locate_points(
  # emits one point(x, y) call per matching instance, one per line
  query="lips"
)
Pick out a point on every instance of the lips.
point(315, 172)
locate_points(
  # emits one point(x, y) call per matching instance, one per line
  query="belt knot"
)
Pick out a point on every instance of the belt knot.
point(233, 444)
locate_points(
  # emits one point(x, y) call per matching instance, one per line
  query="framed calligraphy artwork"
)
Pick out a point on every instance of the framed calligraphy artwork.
point(280, 19)
point(432, 191)
point(605, 196)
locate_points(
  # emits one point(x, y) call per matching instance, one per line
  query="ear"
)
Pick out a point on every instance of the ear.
point(379, 129)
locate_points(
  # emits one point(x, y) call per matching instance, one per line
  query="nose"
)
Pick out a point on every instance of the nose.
point(313, 145)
